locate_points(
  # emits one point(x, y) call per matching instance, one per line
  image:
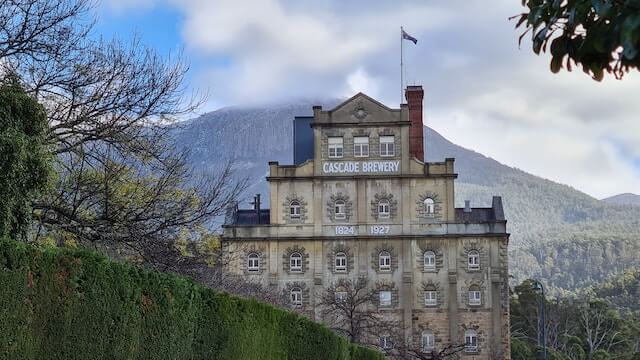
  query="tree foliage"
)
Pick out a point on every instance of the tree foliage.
point(599, 35)
point(24, 165)
point(74, 304)
point(123, 186)
point(575, 328)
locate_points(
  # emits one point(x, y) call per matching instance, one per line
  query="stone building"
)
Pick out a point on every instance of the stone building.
point(361, 201)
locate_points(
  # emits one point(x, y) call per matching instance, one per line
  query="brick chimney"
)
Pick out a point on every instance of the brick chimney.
point(414, 95)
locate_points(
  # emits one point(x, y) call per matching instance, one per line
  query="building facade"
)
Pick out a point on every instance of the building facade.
point(360, 201)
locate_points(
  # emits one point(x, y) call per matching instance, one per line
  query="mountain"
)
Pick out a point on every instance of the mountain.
point(559, 235)
point(623, 199)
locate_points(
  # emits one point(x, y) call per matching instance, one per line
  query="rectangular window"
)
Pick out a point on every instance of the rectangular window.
point(341, 296)
point(430, 298)
point(335, 147)
point(387, 146)
point(341, 263)
point(385, 262)
point(361, 146)
point(474, 298)
point(385, 342)
point(385, 298)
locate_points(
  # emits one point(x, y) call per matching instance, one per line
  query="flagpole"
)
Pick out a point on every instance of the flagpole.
point(401, 65)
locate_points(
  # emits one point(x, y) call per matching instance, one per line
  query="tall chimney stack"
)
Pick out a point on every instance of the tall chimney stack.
point(414, 95)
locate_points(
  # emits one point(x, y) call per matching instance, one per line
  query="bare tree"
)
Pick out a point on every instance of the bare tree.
point(600, 328)
point(122, 185)
point(449, 351)
point(350, 307)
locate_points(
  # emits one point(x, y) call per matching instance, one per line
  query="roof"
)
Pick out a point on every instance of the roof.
point(249, 217)
point(494, 213)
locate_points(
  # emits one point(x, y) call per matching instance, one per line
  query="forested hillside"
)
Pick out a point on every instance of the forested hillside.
point(559, 235)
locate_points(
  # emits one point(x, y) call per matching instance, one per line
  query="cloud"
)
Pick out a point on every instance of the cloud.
point(481, 91)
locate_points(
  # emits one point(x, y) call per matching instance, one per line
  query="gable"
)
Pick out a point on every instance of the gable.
point(360, 109)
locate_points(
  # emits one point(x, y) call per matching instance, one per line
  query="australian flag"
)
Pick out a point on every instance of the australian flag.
point(406, 36)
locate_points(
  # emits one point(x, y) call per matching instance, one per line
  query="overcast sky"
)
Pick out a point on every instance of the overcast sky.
point(481, 91)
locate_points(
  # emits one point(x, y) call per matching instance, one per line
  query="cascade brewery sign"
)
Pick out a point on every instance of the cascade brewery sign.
point(355, 167)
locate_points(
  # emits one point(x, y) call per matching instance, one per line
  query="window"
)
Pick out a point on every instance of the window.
point(296, 296)
point(295, 262)
point(341, 296)
point(429, 261)
point(341, 209)
point(387, 146)
point(428, 341)
point(253, 262)
point(335, 147)
point(470, 341)
point(361, 146)
point(384, 261)
point(430, 297)
point(384, 209)
point(341, 262)
point(294, 209)
point(385, 342)
point(429, 207)
point(473, 260)
point(474, 295)
point(385, 298)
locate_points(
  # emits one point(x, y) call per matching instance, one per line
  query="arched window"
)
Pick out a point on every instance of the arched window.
point(295, 262)
point(294, 209)
point(384, 209)
point(296, 296)
point(473, 260)
point(475, 297)
point(341, 209)
point(470, 341)
point(384, 260)
point(429, 207)
point(253, 262)
point(429, 260)
point(430, 296)
point(428, 341)
point(341, 262)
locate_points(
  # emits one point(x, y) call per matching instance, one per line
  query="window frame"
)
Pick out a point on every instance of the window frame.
point(470, 341)
point(381, 205)
point(342, 205)
point(386, 303)
point(475, 296)
point(342, 257)
point(386, 343)
point(384, 261)
point(340, 296)
point(389, 147)
point(360, 147)
point(431, 300)
point(295, 210)
point(473, 265)
point(431, 255)
point(427, 346)
point(297, 291)
point(429, 207)
point(294, 266)
point(250, 258)
point(336, 146)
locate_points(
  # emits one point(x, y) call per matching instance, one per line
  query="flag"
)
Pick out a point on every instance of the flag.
point(406, 36)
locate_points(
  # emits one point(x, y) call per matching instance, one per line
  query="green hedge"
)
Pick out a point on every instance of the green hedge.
point(74, 304)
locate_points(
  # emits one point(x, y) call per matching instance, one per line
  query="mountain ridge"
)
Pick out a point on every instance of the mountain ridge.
point(549, 221)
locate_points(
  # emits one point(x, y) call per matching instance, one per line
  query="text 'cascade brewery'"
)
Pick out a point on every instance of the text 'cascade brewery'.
point(361, 206)
point(351, 167)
